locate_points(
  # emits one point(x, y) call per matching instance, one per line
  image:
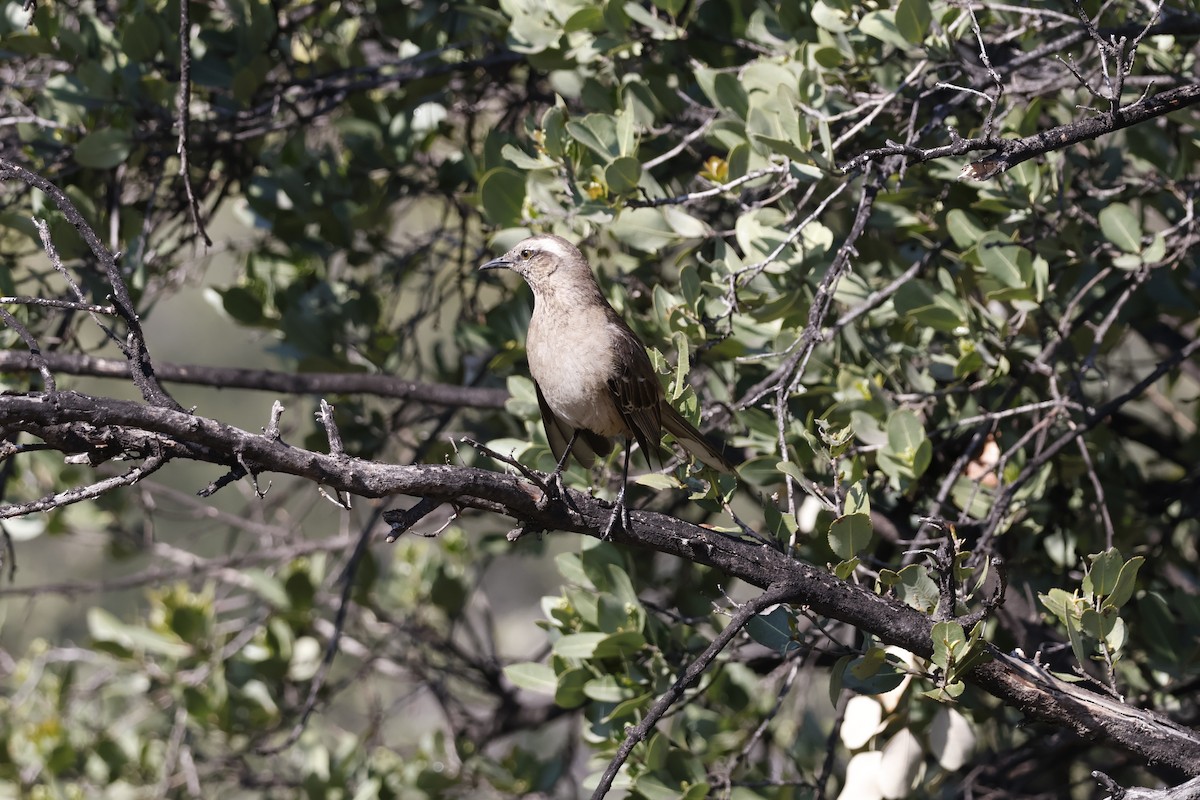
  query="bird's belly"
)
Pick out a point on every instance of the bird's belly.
point(573, 380)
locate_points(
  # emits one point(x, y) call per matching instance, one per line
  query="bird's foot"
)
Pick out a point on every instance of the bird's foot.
point(620, 513)
point(555, 491)
point(552, 490)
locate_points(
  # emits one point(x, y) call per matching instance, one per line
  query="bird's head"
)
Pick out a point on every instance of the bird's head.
point(545, 261)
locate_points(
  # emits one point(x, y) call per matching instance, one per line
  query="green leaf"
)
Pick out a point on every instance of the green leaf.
point(605, 689)
point(837, 675)
point(1102, 575)
point(869, 663)
point(832, 18)
point(964, 229)
point(883, 678)
point(104, 148)
point(881, 25)
point(502, 194)
point(849, 534)
point(857, 499)
point(1159, 628)
point(585, 603)
point(904, 431)
point(569, 692)
point(912, 20)
point(578, 645)
point(949, 644)
point(570, 566)
point(598, 133)
point(522, 160)
point(531, 29)
point(1123, 589)
point(619, 645)
point(658, 480)
point(623, 174)
point(140, 37)
point(532, 676)
point(917, 589)
point(644, 229)
point(1060, 604)
point(1117, 634)
point(684, 224)
point(1007, 263)
point(922, 458)
point(774, 630)
point(939, 311)
point(1121, 227)
point(104, 627)
point(1095, 624)
point(241, 304)
point(590, 18)
point(1075, 635)
point(554, 123)
point(793, 469)
point(724, 90)
point(268, 587)
point(682, 365)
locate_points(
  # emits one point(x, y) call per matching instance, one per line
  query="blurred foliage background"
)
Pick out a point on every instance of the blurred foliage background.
point(898, 355)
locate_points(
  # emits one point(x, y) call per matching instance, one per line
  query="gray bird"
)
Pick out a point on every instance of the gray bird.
point(593, 377)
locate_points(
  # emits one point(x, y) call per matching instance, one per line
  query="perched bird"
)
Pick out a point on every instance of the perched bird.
point(593, 377)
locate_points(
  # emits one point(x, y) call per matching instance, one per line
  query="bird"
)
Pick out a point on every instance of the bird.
point(593, 377)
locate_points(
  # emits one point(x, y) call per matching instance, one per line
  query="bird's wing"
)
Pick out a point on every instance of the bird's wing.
point(558, 434)
point(636, 391)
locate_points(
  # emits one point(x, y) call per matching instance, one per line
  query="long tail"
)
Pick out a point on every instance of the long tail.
point(694, 441)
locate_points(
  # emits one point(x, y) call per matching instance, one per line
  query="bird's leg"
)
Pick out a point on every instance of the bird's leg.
point(562, 462)
point(556, 479)
point(620, 510)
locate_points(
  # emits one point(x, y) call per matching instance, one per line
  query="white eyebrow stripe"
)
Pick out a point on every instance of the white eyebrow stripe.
point(550, 245)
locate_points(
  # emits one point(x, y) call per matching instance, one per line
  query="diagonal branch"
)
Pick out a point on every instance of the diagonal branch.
point(776, 593)
point(138, 428)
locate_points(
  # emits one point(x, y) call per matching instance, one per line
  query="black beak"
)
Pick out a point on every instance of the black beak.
point(497, 263)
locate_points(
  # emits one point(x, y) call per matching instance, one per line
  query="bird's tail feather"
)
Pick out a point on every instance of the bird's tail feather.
point(694, 441)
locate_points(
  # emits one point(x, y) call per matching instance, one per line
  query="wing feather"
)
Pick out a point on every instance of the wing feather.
point(636, 391)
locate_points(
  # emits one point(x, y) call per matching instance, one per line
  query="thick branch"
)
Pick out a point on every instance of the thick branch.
point(66, 420)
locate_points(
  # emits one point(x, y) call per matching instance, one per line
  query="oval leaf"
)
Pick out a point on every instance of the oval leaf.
point(1121, 227)
point(623, 174)
point(103, 149)
point(849, 534)
point(502, 193)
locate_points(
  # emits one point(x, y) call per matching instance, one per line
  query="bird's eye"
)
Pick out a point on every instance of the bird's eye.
point(526, 253)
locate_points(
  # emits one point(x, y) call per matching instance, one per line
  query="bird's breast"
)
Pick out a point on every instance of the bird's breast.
point(571, 358)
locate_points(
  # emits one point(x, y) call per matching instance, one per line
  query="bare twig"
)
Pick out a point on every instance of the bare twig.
point(35, 351)
point(721, 188)
point(50, 302)
point(135, 349)
point(185, 116)
point(776, 593)
point(347, 580)
point(56, 261)
point(71, 496)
